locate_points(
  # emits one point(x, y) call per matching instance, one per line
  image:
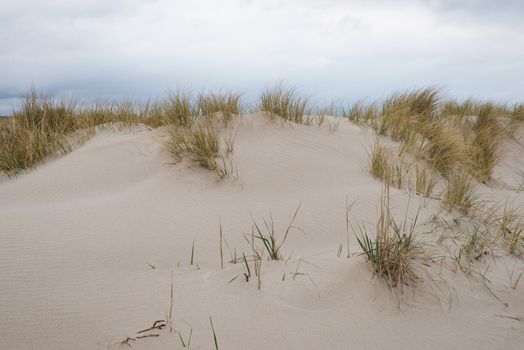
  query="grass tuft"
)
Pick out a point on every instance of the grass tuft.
point(425, 181)
point(511, 227)
point(459, 193)
point(487, 137)
point(36, 132)
point(268, 236)
point(285, 103)
point(393, 248)
point(228, 104)
point(380, 158)
point(476, 245)
point(200, 142)
point(178, 108)
point(203, 145)
point(386, 167)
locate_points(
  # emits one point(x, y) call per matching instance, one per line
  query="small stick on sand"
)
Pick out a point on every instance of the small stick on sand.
point(156, 325)
point(147, 336)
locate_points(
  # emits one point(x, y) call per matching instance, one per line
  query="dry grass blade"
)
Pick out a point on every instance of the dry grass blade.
point(169, 314)
point(214, 334)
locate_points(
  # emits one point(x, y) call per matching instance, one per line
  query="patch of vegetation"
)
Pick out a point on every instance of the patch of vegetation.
point(459, 193)
point(393, 249)
point(268, 235)
point(228, 104)
point(511, 227)
point(35, 132)
point(285, 103)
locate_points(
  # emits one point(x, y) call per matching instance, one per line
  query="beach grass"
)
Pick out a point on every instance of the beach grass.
point(511, 230)
point(446, 134)
point(284, 102)
point(267, 234)
point(227, 104)
point(459, 193)
point(35, 132)
point(392, 249)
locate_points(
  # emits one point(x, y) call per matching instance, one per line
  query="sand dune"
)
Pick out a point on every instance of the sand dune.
point(78, 233)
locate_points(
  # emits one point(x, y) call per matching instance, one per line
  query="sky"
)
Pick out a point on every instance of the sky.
point(332, 49)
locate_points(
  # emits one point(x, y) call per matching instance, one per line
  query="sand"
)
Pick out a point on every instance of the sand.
point(80, 235)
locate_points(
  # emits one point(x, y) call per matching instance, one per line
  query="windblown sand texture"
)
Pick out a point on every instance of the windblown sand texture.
point(89, 242)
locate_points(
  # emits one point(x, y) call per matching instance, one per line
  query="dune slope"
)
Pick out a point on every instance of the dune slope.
point(90, 242)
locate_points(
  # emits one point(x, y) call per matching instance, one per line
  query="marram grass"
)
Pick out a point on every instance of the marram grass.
point(445, 133)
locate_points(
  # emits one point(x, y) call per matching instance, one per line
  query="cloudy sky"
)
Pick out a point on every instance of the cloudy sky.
point(332, 49)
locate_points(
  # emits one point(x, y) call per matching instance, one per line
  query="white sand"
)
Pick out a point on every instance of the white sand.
point(77, 234)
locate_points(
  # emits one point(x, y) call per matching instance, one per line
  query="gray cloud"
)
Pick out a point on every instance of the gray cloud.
point(333, 48)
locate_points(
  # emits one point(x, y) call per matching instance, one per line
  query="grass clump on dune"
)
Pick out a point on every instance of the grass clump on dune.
point(285, 103)
point(21, 149)
point(37, 131)
point(443, 147)
point(178, 108)
point(459, 193)
point(449, 134)
point(203, 145)
point(402, 111)
point(517, 113)
point(363, 115)
point(228, 104)
point(200, 142)
point(267, 235)
point(449, 137)
point(511, 227)
point(425, 181)
point(45, 114)
point(44, 127)
point(477, 244)
point(380, 158)
point(387, 167)
point(487, 136)
point(393, 249)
